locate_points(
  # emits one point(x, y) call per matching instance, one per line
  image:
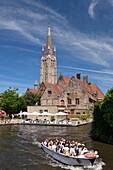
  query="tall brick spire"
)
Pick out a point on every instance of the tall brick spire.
point(49, 42)
point(48, 62)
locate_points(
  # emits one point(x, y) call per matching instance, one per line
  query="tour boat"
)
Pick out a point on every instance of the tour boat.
point(81, 160)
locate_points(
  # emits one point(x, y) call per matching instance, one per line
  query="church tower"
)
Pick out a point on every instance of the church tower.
point(48, 62)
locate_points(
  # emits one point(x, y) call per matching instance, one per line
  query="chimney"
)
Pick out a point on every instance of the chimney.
point(78, 75)
point(85, 79)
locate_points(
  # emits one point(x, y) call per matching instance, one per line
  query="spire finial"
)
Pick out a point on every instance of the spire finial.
point(49, 42)
point(49, 32)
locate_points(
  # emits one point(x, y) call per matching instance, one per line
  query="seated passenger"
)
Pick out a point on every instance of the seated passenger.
point(72, 151)
point(58, 147)
point(61, 149)
point(54, 147)
point(45, 142)
point(66, 149)
point(50, 146)
point(84, 150)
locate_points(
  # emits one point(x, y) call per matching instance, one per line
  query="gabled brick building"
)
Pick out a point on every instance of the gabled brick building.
point(71, 95)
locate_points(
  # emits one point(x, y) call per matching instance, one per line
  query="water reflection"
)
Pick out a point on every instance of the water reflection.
point(19, 145)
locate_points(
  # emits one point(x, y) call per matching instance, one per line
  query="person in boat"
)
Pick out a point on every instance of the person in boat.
point(45, 142)
point(84, 150)
point(72, 150)
point(66, 147)
point(58, 147)
point(54, 146)
point(50, 143)
point(61, 150)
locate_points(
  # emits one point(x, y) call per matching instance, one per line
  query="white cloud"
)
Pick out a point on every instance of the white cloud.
point(92, 7)
point(96, 51)
point(32, 26)
point(29, 22)
point(19, 48)
point(19, 27)
point(89, 70)
point(46, 9)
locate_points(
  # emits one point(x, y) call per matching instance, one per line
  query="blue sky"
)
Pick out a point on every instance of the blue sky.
point(82, 32)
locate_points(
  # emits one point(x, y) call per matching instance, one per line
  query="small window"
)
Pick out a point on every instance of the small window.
point(78, 113)
point(72, 111)
point(95, 93)
point(68, 94)
point(45, 110)
point(40, 111)
point(76, 101)
point(68, 100)
point(49, 93)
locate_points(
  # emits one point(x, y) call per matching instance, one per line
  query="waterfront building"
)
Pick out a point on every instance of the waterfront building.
point(73, 95)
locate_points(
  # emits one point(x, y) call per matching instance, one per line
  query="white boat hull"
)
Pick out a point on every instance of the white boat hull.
point(69, 160)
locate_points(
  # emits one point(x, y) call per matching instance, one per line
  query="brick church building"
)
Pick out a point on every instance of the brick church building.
point(73, 95)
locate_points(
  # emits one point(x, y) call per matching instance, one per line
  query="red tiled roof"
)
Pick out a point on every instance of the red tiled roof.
point(56, 89)
point(96, 89)
point(88, 89)
point(46, 84)
point(32, 90)
point(66, 79)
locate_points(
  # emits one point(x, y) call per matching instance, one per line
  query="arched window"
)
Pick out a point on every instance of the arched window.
point(77, 101)
point(62, 103)
point(68, 100)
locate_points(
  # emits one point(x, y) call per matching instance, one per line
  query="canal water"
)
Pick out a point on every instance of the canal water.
point(19, 147)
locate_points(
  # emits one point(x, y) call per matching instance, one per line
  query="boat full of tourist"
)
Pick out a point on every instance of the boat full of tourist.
point(69, 152)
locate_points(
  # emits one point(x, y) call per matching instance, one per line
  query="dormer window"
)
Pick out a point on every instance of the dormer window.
point(49, 93)
point(95, 93)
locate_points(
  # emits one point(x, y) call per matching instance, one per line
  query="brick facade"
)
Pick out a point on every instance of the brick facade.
point(71, 95)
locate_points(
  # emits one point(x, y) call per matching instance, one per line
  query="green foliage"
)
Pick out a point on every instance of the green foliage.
point(38, 99)
point(6, 117)
point(21, 104)
point(107, 107)
point(11, 102)
point(32, 99)
point(102, 126)
point(52, 118)
point(80, 116)
point(29, 98)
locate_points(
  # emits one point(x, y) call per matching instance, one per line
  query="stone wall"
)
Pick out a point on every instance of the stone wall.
point(50, 109)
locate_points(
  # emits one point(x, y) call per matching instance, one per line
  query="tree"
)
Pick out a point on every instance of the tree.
point(32, 99)
point(29, 98)
point(21, 104)
point(11, 102)
point(38, 99)
point(107, 107)
point(102, 126)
